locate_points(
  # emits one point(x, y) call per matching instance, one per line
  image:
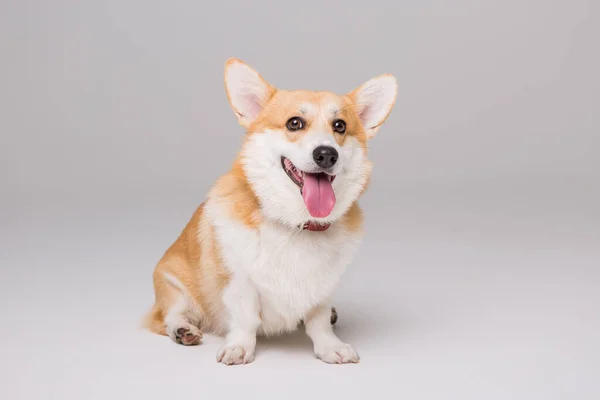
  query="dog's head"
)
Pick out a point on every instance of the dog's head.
point(305, 153)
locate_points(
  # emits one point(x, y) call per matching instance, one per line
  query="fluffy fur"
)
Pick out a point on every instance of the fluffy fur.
point(243, 266)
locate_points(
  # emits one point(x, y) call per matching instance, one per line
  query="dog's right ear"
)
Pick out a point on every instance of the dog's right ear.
point(247, 91)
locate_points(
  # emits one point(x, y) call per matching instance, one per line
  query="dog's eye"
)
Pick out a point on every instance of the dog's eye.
point(339, 126)
point(295, 124)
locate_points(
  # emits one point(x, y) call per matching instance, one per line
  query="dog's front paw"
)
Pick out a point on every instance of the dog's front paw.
point(337, 354)
point(236, 353)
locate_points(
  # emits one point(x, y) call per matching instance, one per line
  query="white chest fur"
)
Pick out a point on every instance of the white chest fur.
point(292, 271)
point(297, 270)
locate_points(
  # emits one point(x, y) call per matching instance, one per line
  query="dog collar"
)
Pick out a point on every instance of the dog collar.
point(315, 226)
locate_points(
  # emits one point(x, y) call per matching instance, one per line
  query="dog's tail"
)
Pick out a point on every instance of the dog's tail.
point(154, 321)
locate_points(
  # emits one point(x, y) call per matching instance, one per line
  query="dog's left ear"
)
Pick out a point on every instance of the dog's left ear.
point(374, 101)
point(247, 91)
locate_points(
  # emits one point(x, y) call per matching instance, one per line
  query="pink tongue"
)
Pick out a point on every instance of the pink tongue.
point(318, 194)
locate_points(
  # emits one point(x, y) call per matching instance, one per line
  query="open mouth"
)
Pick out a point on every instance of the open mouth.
point(315, 188)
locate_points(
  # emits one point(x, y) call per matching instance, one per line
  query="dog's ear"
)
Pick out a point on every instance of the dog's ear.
point(246, 90)
point(374, 101)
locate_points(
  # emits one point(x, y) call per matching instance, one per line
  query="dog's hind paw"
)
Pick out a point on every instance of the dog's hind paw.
point(187, 335)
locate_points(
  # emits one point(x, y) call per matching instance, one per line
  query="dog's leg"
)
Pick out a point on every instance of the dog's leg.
point(334, 316)
point(241, 301)
point(181, 317)
point(179, 326)
point(327, 346)
point(333, 319)
point(174, 313)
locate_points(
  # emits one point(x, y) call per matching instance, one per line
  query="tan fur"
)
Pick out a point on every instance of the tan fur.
point(353, 219)
point(194, 259)
point(285, 104)
point(234, 190)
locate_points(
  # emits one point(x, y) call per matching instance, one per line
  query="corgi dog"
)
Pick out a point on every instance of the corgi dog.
point(263, 252)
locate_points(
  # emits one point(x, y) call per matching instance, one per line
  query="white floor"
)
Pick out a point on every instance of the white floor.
point(451, 303)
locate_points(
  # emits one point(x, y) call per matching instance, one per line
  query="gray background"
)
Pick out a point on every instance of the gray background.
point(479, 275)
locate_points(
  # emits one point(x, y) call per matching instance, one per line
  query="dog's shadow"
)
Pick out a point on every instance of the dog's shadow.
point(296, 341)
point(350, 328)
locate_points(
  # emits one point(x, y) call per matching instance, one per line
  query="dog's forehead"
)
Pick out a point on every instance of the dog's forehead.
point(325, 109)
point(313, 104)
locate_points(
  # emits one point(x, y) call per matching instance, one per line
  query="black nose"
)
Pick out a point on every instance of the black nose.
point(325, 156)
